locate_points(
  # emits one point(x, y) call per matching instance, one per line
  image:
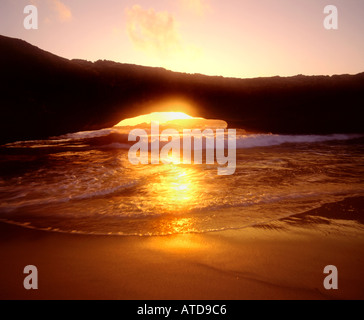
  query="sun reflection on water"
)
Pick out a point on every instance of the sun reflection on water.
point(175, 190)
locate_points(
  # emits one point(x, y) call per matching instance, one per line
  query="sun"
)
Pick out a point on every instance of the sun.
point(161, 117)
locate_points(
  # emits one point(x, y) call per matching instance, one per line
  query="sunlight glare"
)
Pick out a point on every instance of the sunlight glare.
point(161, 117)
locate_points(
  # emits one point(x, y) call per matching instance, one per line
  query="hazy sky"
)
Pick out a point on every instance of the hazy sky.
point(238, 38)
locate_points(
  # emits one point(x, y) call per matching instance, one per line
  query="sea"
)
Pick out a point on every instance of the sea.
point(84, 183)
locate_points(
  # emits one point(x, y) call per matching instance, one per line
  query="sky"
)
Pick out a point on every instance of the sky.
point(230, 38)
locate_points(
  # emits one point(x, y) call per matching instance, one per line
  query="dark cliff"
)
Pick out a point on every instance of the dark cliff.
point(44, 95)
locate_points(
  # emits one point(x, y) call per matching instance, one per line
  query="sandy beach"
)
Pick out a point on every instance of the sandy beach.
point(284, 259)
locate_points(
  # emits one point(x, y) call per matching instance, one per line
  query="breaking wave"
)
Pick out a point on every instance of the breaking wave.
point(114, 138)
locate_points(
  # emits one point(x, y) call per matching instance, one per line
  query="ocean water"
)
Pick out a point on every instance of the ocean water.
point(84, 183)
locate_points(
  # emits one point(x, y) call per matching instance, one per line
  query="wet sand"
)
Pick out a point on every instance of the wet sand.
point(283, 259)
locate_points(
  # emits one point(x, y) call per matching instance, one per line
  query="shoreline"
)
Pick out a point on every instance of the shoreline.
point(283, 259)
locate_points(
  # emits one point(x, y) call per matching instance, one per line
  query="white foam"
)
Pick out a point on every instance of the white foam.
point(266, 140)
point(88, 134)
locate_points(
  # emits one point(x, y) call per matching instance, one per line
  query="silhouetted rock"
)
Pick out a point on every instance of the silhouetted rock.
point(44, 95)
